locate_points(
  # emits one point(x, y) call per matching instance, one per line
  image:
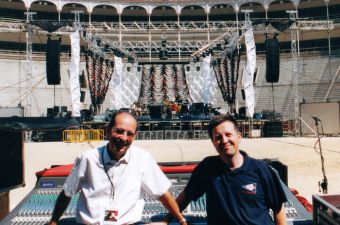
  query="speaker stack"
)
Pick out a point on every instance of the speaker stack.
point(272, 60)
point(273, 129)
point(53, 61)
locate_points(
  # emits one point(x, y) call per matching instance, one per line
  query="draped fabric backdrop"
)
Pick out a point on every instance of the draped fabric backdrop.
point(117, 81)
point(226, 73)
point(207, 85)
point(74, 73)
point(163, 82)
point(99, 72)
point(248, 72)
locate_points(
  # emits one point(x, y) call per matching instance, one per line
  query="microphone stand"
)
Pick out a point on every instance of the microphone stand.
point(324, 183)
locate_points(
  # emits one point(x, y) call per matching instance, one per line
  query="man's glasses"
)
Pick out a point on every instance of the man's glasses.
point(122, 131)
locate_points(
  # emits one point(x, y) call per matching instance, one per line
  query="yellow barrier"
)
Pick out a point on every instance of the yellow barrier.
point(83, 135)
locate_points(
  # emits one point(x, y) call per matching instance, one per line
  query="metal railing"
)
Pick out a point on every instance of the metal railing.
point(76, 136)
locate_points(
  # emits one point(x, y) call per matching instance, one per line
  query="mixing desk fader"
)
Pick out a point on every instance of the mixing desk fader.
point(37, 207)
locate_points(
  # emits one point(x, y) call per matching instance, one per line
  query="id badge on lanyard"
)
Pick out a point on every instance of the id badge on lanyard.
point(111, 212)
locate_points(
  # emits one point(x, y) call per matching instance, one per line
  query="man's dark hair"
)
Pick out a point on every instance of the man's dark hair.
point(119, 112)
point(218, 119)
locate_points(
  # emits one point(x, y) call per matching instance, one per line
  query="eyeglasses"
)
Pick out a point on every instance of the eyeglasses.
point(122, 131)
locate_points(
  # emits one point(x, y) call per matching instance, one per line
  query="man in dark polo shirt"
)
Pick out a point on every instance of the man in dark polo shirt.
point(239, 190)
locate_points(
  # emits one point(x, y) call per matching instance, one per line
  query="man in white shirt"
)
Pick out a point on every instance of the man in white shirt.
point(113, 179)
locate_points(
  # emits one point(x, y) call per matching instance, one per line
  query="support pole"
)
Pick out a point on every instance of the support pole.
point(295, 73)
point(29, 34)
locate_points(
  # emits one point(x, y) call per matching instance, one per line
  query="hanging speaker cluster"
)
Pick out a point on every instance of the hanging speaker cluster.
point(272, 60)
point(53, 61)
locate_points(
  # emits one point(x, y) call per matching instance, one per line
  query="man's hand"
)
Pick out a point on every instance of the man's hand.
point(52, 223)
point(157, 223)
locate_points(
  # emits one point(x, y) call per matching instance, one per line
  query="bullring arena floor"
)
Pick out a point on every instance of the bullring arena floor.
point(304, 164)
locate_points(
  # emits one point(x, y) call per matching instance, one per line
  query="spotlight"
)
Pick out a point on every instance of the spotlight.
point(218, 47)
point(128, 68)
point(188, 68)
point(198, 68)
point(138, 68)
point(131, 59)
point(163, 43)
point(163, 54)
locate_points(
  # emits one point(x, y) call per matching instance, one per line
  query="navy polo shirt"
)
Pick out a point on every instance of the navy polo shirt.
point(237, 197)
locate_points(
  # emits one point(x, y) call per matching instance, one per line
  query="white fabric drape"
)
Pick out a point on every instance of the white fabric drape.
point(74, 72)
point(248, 72)
point(207, 85)
point(117, 100)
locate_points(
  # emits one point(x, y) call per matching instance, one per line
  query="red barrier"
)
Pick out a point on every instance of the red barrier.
point(65, 170)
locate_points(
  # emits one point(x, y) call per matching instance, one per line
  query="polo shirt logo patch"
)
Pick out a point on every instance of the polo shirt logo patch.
point(249, 189)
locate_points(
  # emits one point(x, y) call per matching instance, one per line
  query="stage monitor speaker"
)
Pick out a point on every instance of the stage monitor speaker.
point(155, 111)
point(53, 62)
point(272, 60)
point(12, 159)
point(198, 107)
point(273, 129)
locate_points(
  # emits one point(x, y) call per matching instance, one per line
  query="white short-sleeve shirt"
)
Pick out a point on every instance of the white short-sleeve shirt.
point(132, 176)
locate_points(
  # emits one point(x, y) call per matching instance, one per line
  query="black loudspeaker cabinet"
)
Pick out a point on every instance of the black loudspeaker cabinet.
point(53, 62)
point(12, 159)
point(82, 96)
point(272, 60)
point(273, 129)
point(242, 112)
point(155, 111)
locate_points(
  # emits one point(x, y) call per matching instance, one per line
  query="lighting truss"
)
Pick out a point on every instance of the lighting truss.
point(144, 38)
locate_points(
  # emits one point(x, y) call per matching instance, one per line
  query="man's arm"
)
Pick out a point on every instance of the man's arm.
point(170, 203)
point(182, 203)
point(59, 208)
point(280, 217)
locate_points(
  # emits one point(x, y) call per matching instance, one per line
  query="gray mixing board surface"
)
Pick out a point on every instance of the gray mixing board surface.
point(37, 207)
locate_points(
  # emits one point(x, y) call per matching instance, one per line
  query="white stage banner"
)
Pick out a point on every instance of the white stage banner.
point(207, 85)
point(117, 99)
point(248, 72)
point(74, 73)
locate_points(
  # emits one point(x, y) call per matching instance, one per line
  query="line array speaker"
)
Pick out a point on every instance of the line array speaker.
point(53, 61)
point(272, 60)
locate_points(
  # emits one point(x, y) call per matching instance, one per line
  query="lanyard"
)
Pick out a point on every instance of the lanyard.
point(108, 176)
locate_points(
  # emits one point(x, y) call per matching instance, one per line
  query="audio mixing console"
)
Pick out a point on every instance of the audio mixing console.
point(37, 207)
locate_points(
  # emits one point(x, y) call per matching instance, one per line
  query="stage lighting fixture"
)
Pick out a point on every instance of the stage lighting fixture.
point(198, 68)
point(188, 68)
point(131, 59)
point(196, 58)
point(218, 47)
point(163, 54)
point(128, 68)
point(98, 42)
point(138, 68)
point(163, 43)
point(204, 54)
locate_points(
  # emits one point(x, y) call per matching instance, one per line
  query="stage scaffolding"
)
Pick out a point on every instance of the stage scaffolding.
point(143, 39)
